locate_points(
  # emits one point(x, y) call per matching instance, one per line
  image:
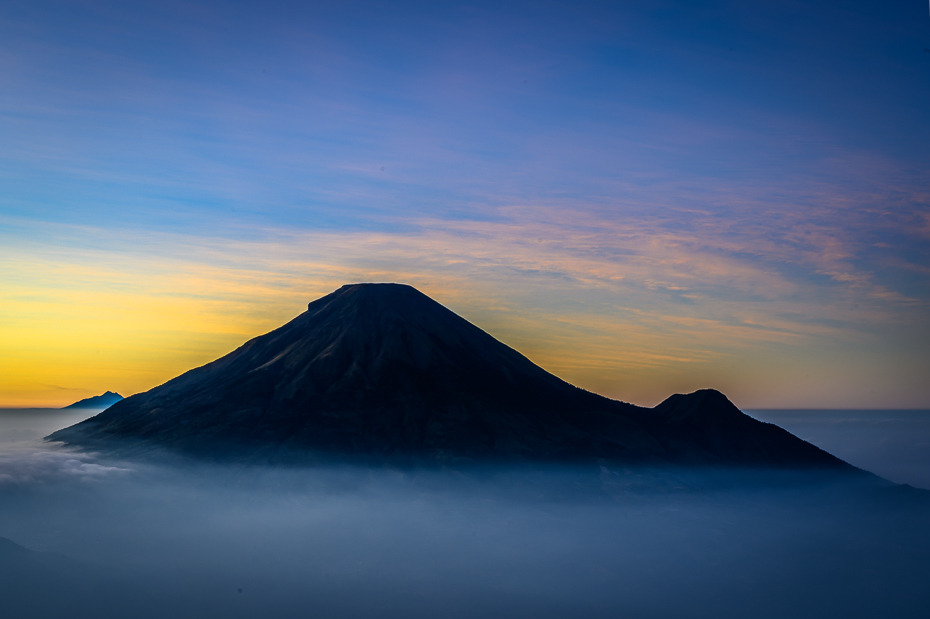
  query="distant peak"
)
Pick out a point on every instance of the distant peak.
point(103, 400)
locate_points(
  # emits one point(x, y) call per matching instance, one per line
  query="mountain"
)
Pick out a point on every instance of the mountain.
point(381, 371)
point(103, 400)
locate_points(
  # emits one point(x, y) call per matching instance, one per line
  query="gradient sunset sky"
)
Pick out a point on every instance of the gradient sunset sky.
point(642, 197)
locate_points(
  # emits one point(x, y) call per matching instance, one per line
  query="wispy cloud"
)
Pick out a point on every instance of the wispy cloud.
point(578, 292)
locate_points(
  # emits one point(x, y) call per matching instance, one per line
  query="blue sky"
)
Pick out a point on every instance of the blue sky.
point(644, 197)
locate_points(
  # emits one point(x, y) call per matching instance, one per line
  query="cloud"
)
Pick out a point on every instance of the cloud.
point(31, 463)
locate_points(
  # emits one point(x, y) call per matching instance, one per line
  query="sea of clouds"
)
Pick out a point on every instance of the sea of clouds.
point(191, 539)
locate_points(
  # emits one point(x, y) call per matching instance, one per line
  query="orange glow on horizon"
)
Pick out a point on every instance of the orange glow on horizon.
point(128, 319)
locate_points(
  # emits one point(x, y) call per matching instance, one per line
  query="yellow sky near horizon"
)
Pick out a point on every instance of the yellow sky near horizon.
point(80, 318)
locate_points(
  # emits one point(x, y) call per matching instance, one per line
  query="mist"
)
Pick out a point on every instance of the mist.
point(173, 537)
point(894, 444)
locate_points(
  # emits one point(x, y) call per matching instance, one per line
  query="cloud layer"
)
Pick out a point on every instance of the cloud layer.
point(27, 464)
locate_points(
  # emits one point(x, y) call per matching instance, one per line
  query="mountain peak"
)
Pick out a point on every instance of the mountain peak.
point(385, 292)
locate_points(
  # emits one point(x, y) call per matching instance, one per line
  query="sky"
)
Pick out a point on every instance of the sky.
point(642, 197)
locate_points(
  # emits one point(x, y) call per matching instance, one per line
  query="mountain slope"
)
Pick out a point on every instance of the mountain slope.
point(383, 371)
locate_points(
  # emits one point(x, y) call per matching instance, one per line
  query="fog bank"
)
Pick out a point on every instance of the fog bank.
point(187, 539)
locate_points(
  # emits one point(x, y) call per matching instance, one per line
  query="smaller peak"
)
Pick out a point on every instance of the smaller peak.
point(695, 396)
point(701, 404)
point(711, 394)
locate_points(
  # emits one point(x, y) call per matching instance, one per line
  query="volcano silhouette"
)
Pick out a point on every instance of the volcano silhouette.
point(382, 371)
